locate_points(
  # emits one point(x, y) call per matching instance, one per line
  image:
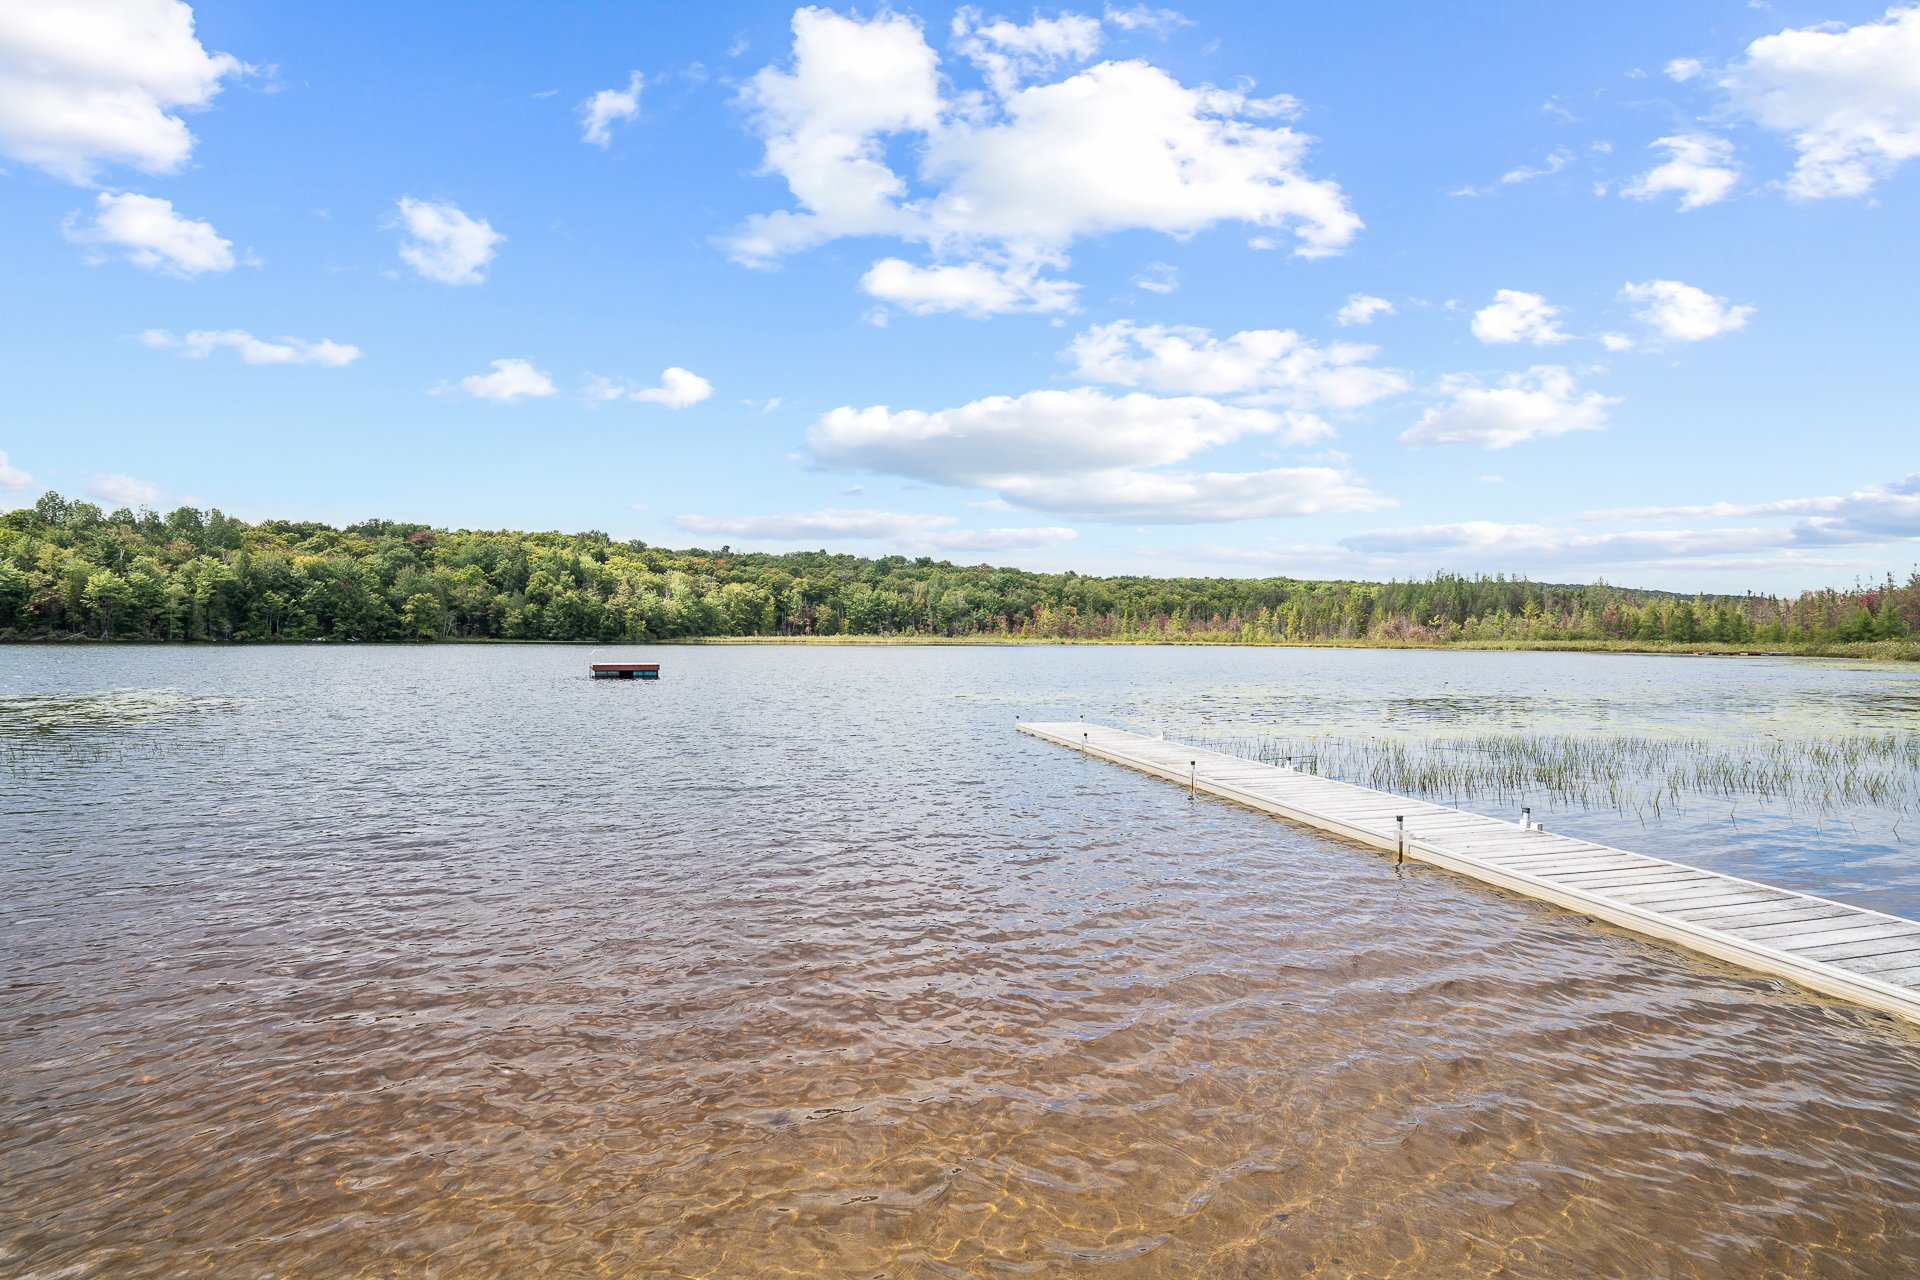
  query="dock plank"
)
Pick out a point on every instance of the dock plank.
point(1832, 947)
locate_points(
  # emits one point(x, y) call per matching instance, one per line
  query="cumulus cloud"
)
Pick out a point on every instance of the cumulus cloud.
point(510, 380)
point(444, 243)
point(147, 231)
point(1086, 453)
point(1846, 98)
point(1515, 316)
point(971, 288)
point(12, 477)
point(599, 113)
point(1362, 308)
point(912, 531)
point(1681, 313)
point(1011, 176)
point(1681, 70)
point(1544, 401)
point(1699, 167)
point(1039, 433)
point(124, 491)
point(89, 83)
point(1270, 366)
point(201, 343)
point(678, 389)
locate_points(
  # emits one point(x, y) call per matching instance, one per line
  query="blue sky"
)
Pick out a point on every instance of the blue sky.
point(1622, 291)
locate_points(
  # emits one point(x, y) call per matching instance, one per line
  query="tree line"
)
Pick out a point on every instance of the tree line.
point(69, 569)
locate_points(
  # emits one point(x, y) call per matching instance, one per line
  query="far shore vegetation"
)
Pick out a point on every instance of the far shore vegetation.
point(69, 570)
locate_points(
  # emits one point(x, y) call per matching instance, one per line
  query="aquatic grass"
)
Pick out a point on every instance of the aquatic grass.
point(41, 734)
point(1625, 773)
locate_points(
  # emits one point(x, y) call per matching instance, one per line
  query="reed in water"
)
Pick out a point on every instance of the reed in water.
point(1626, 773)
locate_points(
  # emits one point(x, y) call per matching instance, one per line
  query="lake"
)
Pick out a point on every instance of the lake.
point(344, 961)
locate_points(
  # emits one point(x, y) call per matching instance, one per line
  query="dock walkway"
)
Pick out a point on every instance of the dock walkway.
point(1840, 950)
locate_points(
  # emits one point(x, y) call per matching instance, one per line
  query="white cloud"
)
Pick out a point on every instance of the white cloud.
point(1847, 99)
point(1143, 17)
point(678, 389)
point(1361, 308)
point(152, 235)
point(12, 477)
point(201, 343)
point(124, 491)
point(1681, 70)
point(1159, 277)
point(1617, 341)
point(1275, 366)
point(1543, 401)
point(599, 112)
point(1682, 313)
point(1008, 53)
point(1011, 177)
point(87, 83)
point(1556, 160)
point(1124, 145)
point(1516, 316)
point(853, 83)
point(510, 380)
point(971, 288)
point(444, 243)
point(1039, 433)
point(1559, 159)
point(1082, 452)
point(1699, 166)
point(915, 532)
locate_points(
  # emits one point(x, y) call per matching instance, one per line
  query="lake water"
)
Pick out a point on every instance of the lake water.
point(450, 961)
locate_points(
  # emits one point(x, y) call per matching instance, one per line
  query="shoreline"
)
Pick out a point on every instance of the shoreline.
point(1860, 651)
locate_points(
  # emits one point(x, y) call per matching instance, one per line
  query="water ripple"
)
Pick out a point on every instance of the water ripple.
point(801, 963)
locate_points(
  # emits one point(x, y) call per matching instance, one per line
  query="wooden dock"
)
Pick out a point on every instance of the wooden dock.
point(1839, 950)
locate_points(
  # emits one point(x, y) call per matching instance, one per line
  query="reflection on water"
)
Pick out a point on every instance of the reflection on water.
point(801, 962)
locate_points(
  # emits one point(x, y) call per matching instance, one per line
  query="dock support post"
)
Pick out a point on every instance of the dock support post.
point(1526, 817)
point(1193, 775)
point(1400, 831)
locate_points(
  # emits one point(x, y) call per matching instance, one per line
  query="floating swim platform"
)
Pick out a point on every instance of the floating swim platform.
point(626, 670)
point(1839, 950)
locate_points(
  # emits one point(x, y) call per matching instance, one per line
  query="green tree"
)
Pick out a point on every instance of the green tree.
point(106, 596)
point(423, 617)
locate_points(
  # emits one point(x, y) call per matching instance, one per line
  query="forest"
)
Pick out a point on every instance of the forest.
point(69, 570)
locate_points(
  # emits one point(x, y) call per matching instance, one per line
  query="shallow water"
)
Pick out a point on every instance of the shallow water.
point(452, 962)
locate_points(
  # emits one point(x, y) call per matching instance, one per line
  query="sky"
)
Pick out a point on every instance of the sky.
point(1623, 292)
